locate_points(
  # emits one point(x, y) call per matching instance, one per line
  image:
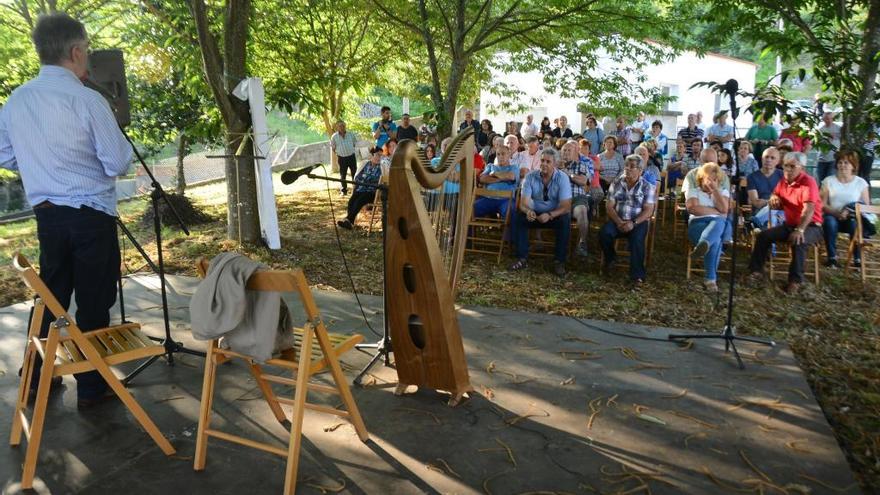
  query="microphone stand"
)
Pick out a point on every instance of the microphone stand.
point(382, 346)
point(171, 346)
point(729, 332)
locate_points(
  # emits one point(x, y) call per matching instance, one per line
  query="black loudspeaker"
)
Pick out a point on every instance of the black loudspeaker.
point(107, 76)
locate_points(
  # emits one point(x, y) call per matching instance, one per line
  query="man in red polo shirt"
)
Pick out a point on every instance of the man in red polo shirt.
point(798, 196)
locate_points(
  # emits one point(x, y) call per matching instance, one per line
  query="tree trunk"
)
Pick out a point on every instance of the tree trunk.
point(243, 215)
point(446, 110)
point(182, 151)
point(855, 128)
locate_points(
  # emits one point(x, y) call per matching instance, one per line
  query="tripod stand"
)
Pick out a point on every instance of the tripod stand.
point(382, 347)
point(157, 194)
point(728, 334)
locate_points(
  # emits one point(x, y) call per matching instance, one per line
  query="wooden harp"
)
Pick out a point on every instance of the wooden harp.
point(424, 252)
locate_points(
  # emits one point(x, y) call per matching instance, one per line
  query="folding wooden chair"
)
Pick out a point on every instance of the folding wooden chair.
point(678, 211)
point(315, 350)
point(621, 244)
point(486, 234)
point(870, 267)
point(376, 209)
point(780, 257)
point(663, 196)
point(75, 352)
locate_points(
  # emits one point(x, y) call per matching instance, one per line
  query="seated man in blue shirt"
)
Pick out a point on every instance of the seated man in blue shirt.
point(630, 203)
point(545, 203)
point(366, 181)
point(498, 176)
point(760, 185)
point(64, 140)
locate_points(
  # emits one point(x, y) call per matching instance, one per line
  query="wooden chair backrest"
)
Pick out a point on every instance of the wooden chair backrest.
point(36, 284)
point(276, 281)
point(862, 210)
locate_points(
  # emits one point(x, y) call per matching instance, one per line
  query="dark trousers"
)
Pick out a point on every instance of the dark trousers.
point(347, 163)
point(866, 162)
point(823, 169)
point(780, 233)
point(636, 239)
point(561, 226)
point(79, 256)
point(357, 201)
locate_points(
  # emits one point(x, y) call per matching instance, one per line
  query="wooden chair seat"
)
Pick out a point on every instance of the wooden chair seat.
point(341, 344)
point(780, 257)
point(117, 345)
point(314, 345)
point(67, 350)
point(486, 234)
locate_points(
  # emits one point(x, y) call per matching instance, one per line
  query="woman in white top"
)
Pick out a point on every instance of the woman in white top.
point(708, 205)
point(839, 192)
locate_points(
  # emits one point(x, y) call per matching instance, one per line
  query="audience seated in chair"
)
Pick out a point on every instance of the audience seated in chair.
point(747, 163)
point(498, 176)
point(545, 203)
point(798, 195)
point(579, 173)
point(761, 184)
point(651, 172)
point(839, 194)
point(708, 205)
point(365, 192)
point(630, 203)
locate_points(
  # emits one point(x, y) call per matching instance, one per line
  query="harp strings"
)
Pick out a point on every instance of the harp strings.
point(441, 204)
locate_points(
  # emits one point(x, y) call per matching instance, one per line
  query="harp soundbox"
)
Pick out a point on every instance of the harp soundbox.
point(427, 222)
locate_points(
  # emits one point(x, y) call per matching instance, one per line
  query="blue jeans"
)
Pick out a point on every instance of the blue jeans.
point(711, 231)
point(636, 238)
point(762, 217)
point(561, 226)
point(485, 207)
point(831, 226)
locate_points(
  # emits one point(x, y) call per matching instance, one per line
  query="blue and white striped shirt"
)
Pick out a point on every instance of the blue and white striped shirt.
point(64, 140)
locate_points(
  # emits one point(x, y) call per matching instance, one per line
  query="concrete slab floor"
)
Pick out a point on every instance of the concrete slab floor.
point(560, 405)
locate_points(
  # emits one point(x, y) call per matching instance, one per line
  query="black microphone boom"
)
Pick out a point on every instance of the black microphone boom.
point(290, 176)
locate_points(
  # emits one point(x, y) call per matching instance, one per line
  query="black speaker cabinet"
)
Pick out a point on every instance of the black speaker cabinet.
point(107, 70)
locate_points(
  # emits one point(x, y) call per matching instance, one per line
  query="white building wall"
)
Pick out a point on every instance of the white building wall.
point(678, 75)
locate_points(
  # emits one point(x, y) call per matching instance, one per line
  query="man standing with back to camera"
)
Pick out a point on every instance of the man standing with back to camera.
point(64, 140)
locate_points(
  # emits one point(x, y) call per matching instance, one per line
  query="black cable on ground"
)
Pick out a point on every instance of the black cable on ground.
point(618, 334)
point(342, 253)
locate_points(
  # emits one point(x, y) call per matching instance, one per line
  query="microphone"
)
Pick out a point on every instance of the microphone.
point(290, 176)
point(731, 87)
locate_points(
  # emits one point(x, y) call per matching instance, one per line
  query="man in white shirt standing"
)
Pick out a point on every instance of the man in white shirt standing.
point(529, 128)
point(832, 133)
point(65, 142)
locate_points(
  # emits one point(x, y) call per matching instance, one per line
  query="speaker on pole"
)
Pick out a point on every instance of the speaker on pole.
point(107, 76)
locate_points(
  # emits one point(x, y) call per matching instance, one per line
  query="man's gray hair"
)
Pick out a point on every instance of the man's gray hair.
point(54, 36)
point(552, 153)
point(634, 159)
point(801, 158)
